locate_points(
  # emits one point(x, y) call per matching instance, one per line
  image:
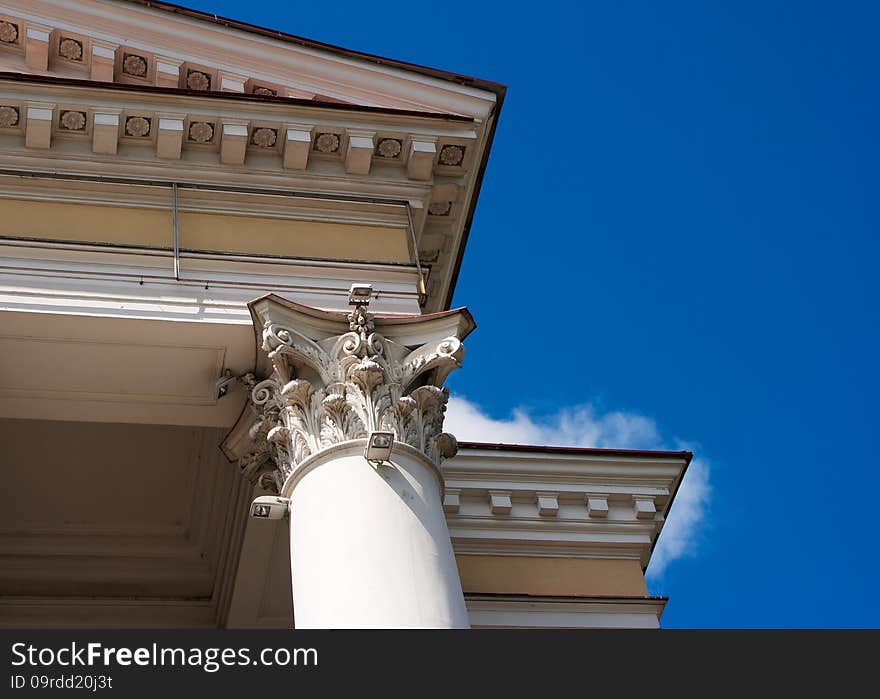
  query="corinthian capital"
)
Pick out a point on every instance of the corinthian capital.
point(335, 377)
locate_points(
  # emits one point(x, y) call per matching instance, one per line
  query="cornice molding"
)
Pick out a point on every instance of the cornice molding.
point(437, 188)
point(139, 47)
point(179, 43)
point(541, 503)
point(117, 282)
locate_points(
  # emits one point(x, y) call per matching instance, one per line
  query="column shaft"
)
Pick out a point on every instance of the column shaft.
point(369, 545)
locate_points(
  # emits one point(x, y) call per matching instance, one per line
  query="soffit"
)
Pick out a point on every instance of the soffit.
point(112, 511)
point(101, 369)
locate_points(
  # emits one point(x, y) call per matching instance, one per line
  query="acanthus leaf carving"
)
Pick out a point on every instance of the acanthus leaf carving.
point(328, 390)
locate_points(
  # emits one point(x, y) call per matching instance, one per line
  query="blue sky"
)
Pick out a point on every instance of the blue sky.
point(689, 191)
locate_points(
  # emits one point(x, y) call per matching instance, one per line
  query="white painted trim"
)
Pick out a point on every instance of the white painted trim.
point(171, 124)
point(232, 84)
point(106, 119)
point(168, 68)
point(39, 114)
point(103, 52)
point(298, 135)
point(37, 34)
point(578, 504)
point(68, 280)
point(234, 130)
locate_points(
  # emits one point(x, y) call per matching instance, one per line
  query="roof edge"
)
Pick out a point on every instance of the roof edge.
point(498, 89)
point(488, 85)
point(599, 451)
point(566, 598)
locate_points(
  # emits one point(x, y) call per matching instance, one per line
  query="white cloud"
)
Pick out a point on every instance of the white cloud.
point(584, 426)
point(679, 536)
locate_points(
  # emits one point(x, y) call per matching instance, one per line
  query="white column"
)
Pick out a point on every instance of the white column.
point(369, 547)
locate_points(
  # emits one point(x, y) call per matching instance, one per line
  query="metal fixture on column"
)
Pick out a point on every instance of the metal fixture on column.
point(379, 446)
point(423, 291)
point(176, 229)
point(343, 388)
point(360, 294)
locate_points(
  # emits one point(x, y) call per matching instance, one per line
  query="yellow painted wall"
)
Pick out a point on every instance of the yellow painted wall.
point(125, 225)
point(278, 236)
point(51, 220)
point(537, 575)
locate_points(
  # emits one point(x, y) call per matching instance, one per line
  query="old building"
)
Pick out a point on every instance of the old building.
point(190, 211)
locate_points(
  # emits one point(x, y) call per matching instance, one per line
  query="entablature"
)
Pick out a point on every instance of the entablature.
point(421, 145)
point(412, 172)
point(109, 281)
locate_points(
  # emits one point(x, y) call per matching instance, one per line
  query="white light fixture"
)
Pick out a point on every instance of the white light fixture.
point(379, 446)
point(360, 294)
point(223, 383)
point(269, 507)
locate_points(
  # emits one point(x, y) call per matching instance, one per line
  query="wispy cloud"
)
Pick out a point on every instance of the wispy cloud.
point(585, 426)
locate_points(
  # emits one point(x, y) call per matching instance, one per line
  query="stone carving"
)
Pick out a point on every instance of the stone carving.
point(264, 137)
point(327, 143)
point(72, 121)
point(429, 257)
point(137, 126)
point(134, 65)
point(201, 131)
point(71, 49)
point(8, 32)
point(440, 208)
point(266, 91)
point(342, 388)
point(451, 155)
point(8, 117)
point(197, 80)
point(389, 148)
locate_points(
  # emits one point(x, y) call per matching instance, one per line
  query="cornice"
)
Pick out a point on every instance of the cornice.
point(100, 143)
point(246, 61)
point(653, 454)
point(495, 87)
point(657, 470)
point(531, 501)
point(181, 94)
point(233, 52)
